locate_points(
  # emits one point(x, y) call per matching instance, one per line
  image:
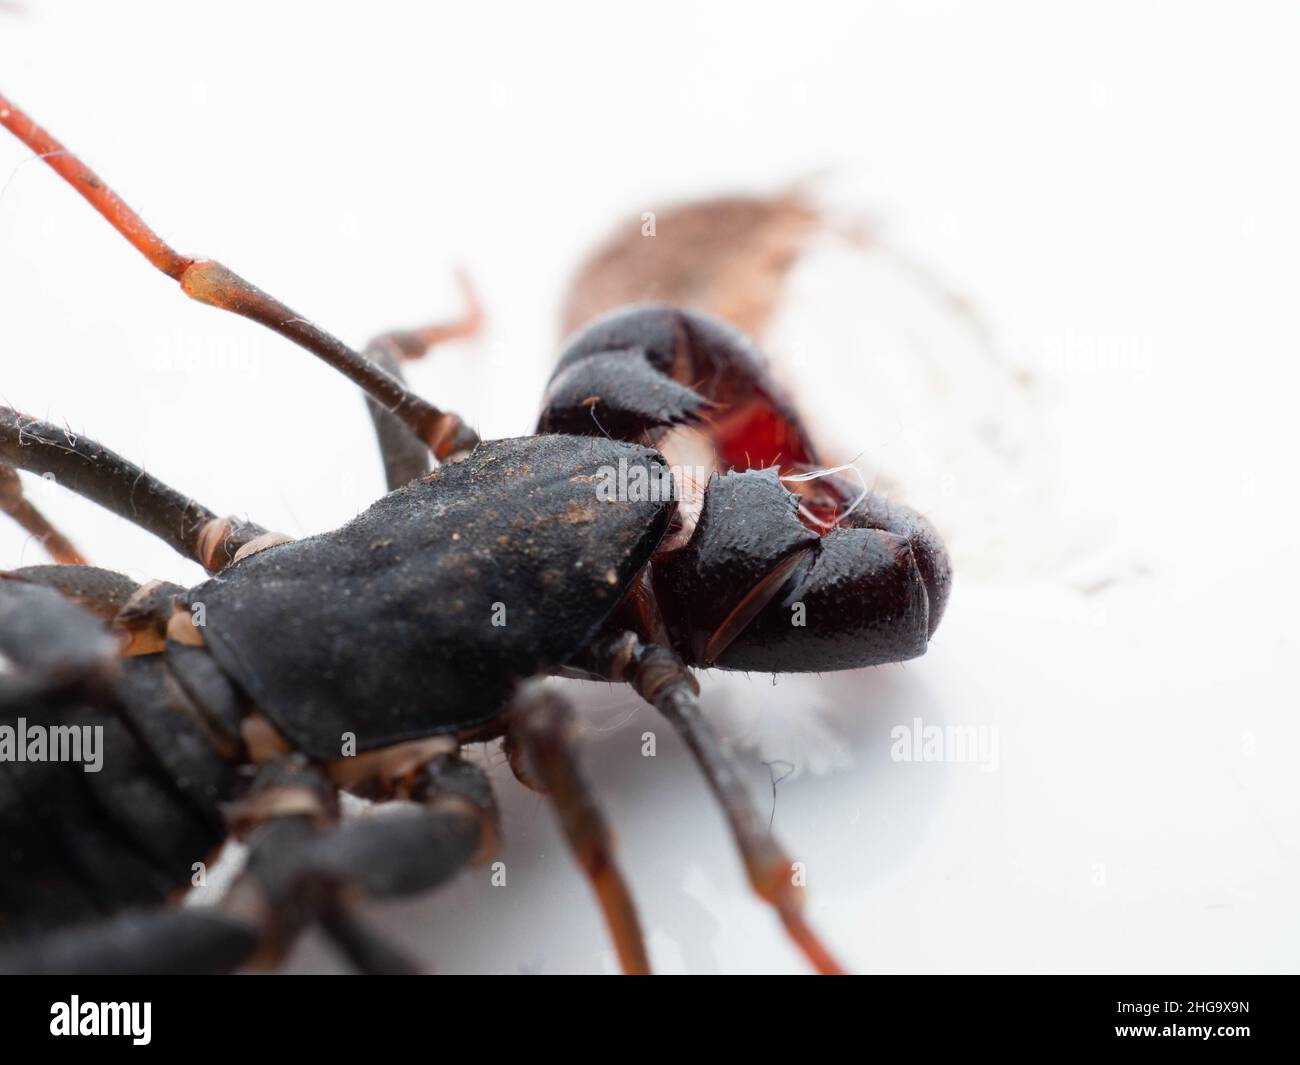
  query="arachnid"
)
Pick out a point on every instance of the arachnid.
point(363, 659)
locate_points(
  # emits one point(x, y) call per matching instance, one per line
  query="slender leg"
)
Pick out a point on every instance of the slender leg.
point(18, 507)
point(407, 345)
point(405, 456)
point(661, 679)
point(119, 485)
point(210, 282)
point(541, 740)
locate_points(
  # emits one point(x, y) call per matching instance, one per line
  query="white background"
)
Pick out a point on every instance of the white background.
point(1111, 185)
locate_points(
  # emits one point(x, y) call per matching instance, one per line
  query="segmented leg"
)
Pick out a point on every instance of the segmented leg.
point(405, 456)
point(210, 282)
point(20, 508)
point(660, 678)
point(298, 874)
point(303, 868)
point(119, 485)
point(540, 739)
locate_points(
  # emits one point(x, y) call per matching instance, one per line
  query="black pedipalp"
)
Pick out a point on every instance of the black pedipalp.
point(619, 393)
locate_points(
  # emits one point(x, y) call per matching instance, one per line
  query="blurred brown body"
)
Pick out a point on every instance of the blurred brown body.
point(727, 256)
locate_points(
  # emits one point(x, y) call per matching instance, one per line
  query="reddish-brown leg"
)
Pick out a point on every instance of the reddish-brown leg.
point(210, 282)
point(540, 740)
point(406, 345)
point(20, 508)
point(405, 456)
point(662, 680)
